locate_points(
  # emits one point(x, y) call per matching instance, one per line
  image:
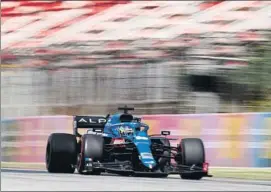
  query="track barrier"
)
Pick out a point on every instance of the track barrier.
point(231, 140)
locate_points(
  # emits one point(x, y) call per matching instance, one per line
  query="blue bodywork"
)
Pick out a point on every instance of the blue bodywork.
point(132, 131)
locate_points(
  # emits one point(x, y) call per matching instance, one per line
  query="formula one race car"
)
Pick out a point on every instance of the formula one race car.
point(120, 144)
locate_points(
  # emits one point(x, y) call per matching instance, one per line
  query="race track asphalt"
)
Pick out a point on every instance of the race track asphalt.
point(37, 180)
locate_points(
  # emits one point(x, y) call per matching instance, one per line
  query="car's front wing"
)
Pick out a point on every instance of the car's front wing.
point(126, 169)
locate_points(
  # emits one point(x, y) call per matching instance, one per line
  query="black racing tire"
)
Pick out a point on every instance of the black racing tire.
point(92, 146)
point(193, 153)
point(61, 153)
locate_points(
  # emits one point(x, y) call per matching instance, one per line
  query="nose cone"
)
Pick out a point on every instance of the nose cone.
point(147, 160)
point(145, 155)
point(149, 163)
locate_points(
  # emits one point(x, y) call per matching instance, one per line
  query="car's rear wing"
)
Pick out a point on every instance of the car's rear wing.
point(95, 123)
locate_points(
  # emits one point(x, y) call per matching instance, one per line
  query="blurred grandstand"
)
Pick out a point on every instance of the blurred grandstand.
point(86, 57)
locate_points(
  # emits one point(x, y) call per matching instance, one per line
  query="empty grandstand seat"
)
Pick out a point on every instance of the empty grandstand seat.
point(43, 23)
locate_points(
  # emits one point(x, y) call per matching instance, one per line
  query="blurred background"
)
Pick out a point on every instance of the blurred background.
point(165, 57)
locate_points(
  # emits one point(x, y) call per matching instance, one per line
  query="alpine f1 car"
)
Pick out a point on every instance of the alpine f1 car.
point(120, 144)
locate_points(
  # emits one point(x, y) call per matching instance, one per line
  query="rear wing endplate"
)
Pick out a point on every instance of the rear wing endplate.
point(95, 123)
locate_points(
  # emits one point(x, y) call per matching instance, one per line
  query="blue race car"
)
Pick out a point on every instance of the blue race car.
point(120, 144)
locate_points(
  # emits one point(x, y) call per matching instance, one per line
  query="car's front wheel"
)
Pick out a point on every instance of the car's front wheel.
point(192, 153)
point(91, 148)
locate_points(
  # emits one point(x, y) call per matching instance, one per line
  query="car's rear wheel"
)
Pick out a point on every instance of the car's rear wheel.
point(61, 152)
point(193, 153)
point(91, 148)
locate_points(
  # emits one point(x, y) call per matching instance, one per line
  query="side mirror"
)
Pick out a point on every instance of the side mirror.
point(165, 132)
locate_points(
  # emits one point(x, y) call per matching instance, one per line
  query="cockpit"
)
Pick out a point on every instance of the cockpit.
point(123, 117)
point(126, 118)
